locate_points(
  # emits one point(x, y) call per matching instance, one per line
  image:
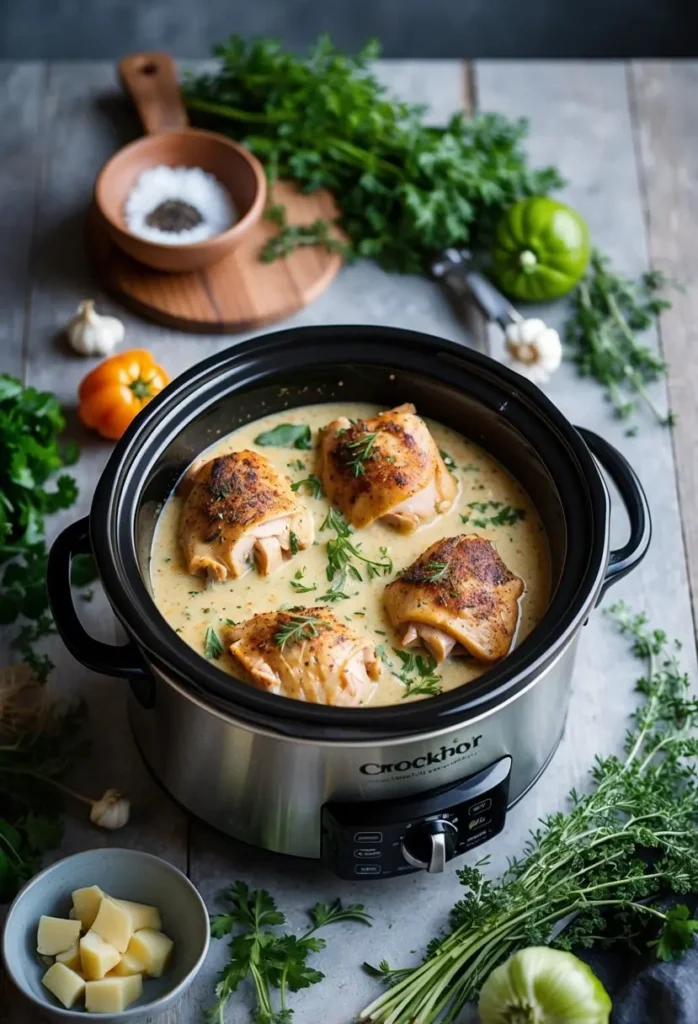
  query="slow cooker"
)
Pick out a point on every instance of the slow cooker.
point(373, 792)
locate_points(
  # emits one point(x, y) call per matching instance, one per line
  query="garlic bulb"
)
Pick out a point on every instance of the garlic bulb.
point(111, 811)
point(535, 350)
point(91, 334)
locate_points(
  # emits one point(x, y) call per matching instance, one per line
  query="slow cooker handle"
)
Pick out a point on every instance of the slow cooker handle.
point(623, 560)
point(120, 660)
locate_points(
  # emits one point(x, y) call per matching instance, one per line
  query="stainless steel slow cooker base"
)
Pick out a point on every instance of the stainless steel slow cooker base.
point(269, 789)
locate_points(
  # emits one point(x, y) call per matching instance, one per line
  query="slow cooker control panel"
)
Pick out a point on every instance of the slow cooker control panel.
point(380, 838)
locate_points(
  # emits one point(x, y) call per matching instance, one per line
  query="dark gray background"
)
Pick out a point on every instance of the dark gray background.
point(408, 28)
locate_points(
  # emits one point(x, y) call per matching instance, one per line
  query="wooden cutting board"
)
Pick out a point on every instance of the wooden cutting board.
point(236, 294)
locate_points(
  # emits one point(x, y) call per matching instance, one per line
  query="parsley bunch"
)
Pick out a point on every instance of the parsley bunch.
point(268, 959)
point(405, 190)
point(628, 842)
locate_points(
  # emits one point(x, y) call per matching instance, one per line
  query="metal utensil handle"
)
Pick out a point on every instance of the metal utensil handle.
point(151, 81)
point(454, 267)
point(122, 660)
point(623, 560)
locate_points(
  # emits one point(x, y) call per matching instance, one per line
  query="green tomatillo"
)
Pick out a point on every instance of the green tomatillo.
point(541, 249)
point(543, 986)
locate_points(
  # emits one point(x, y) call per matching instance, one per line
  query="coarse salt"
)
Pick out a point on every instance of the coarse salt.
point(200, 191)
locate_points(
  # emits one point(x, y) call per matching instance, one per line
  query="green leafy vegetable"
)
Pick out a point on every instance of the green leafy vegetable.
point(297, 236)
point(299, 586)
point(341, 551)
point(269, 959)
point(506, 515)
point(286, 435)
point(312, 482)
point(628, 841)
point(418, 674)
point(405, 189)
point(608, 312)
point(213, 648)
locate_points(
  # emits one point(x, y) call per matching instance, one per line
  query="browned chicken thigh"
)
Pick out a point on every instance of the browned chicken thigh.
point(307, 654)
point(458, 597)
point(239, 512)
point(387, 468)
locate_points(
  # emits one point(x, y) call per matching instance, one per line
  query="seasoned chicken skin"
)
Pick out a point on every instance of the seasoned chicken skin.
point(388, 468)
point(239, 512)
point(457, 598)
point(307, 654)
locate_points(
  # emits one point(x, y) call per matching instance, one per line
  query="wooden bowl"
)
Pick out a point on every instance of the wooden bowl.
point(152, 82)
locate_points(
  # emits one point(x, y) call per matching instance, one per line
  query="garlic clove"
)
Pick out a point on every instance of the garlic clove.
point(111, 811)
point(535, 350)
point(90, 334)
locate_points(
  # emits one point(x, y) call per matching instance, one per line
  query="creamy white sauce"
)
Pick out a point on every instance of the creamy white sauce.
point(190, 604)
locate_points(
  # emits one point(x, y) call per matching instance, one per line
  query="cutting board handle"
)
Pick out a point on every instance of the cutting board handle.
point(151, 81)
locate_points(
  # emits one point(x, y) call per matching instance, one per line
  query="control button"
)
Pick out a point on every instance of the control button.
point(479, 822)
point(367, 869)
point(480, 806)
point(430, 844)
point(368, 837)
point(364, 852)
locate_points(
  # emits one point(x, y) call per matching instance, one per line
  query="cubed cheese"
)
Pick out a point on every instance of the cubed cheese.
point(142, 916)
point(152, 950)
point(66, 985)
point(126, 966)
point(114, 924)
point(86, 904)
point(55, 935)
point(71, 957)
point(97, 956)
point(112, 995)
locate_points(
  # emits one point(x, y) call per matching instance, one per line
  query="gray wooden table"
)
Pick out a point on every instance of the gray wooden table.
point(626, 138)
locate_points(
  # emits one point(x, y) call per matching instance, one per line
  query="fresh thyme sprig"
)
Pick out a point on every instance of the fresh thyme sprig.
point(270, 960)
point(629, 841)
point(358, 452)
point(437, 572)
point(297, 628)
point(418, 674)
point(341, 551)
point(607, 313)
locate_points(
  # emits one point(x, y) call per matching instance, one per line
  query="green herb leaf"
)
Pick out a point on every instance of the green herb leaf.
point(286, 435)
point(297, 628)
point(677, 934)
point(213, 648)
point(312, 483)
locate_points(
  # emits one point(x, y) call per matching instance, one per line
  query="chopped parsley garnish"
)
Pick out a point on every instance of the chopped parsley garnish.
point(312, 482)
point(418, 675)
point(298, 586)
point(298, 627)
point(213, 648)
point(504, 515)
point(296, 464)
point(293, 541)
point(286, 435)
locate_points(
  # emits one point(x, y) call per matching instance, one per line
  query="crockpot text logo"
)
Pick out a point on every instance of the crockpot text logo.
point(432, 757)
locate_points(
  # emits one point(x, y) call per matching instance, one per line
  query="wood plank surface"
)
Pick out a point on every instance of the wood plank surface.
point(664, 99)
point(581, 121)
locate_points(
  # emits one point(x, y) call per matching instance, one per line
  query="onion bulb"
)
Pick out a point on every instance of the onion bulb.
point(543, 986)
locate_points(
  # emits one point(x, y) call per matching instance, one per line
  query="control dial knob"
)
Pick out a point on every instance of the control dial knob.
point(430, 844)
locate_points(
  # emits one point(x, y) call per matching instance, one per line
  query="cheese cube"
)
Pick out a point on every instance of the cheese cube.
point(152, 950)
point(86, 904)
point(126, 966)
point(112, 995)
point(55, 935)
point(71, 957)
point(114, 924)
point(66, 985)
point(97, 956)
point(142, 916)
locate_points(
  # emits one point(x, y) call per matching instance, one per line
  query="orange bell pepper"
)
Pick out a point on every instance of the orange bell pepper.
point(113, 394)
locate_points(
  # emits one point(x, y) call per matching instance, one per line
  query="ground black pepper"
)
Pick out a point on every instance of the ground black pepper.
point(174, 215)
